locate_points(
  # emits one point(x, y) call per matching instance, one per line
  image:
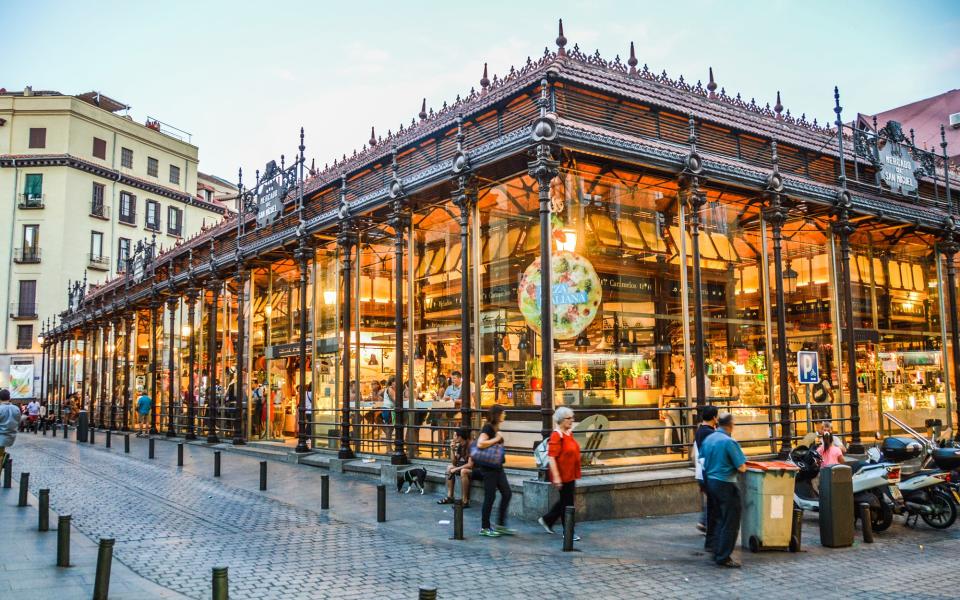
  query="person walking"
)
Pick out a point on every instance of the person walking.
point(488, 455)
point(669, 399)
point(723, 461)
point(9, 421)
point(708, 425)
point(564, 454)
point(144, 404)
point(33, 415)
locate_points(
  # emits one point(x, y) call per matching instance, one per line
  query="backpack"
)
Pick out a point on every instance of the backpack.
point(820, 393)
point(540, 453)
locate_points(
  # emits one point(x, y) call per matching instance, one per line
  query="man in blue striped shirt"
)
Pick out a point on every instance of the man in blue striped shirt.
point(723, 461)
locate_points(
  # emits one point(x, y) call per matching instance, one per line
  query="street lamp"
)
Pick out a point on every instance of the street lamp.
point(790, 279)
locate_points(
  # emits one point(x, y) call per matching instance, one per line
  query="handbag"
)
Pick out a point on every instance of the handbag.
point(491, 457)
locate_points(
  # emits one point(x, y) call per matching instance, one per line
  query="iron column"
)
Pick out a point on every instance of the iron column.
point(302, 256)
point(190, 397)
point(212, 363)
point(172, 303)
point(155, 306)
point(127, 329)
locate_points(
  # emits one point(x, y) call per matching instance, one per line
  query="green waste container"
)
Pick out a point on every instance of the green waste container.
point(767, 521)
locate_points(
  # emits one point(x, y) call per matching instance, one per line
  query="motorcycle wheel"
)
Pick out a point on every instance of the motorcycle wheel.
point(944, 511)
point(881, 514)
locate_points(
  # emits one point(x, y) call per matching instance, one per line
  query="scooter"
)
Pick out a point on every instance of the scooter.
point(870, 482)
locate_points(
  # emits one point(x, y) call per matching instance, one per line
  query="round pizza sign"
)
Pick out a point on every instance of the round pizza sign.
point(575, 294)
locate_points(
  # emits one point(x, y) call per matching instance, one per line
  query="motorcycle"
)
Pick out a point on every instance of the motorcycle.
point(870, 482)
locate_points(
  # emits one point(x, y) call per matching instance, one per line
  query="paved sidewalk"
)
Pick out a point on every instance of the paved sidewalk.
point(173, 524)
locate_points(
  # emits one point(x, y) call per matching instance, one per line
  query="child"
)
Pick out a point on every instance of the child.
point(832, 454)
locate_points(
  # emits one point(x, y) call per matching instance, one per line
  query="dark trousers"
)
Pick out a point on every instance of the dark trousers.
point(723, 518)
point(567, 491)
point(493, 480)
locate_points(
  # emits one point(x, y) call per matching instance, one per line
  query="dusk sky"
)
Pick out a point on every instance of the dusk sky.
point(243, 77)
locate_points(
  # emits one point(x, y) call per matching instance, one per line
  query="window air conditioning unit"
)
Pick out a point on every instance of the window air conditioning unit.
point(955, 120)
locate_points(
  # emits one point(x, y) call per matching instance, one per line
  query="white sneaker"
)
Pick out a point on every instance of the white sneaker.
point(545, 526)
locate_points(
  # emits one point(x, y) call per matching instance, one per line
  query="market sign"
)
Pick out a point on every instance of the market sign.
point(897, 168)
point(269, 202)
point(575, 294)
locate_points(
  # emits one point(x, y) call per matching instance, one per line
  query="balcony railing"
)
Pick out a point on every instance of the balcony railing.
point(23, 310)
point(176, 231)
point(99, 209)
point(30, 201)
point(98, 262)
point(152, 225)
point(26, 256)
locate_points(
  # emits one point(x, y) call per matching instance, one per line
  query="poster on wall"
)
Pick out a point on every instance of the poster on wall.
point(575, 294)
point(21, 381)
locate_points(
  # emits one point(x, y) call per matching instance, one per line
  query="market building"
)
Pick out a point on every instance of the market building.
point(82, 184)
point(579, 232)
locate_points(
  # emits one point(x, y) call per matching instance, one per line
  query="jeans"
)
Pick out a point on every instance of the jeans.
point(567, 491)
point(723, 518)
point(704, 502)
point(493, 480)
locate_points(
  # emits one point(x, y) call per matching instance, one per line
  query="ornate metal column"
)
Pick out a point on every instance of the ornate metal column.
point(463, 199)
point(94, 378)
point(241, 389)
point(87, 398)
point(127, 392)
point(400, 221)
point(212, 438)
point(172, 303)
point(302, 255)
point(52, 374)
point(543, 169)
point(949, 247)
point(113, 372)
point(102, 400)
point(690, 184)
point(776, 215)
point(43, 365)
point(346, 240)
point(155, 306)
point(190, 398)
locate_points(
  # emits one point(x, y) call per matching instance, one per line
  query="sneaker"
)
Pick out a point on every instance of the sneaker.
point(729, 564)
point(576, 538)
point(545, 526)
point(701, 527)
point(489, 533)
point(503, 530)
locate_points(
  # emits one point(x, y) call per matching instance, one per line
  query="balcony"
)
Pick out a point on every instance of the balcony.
point(23, 310)
point(30, 201)
point(99, 210)
point(98, 262)
point(26, 256)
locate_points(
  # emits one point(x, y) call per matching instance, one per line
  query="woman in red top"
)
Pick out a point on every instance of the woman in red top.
point(564, 453)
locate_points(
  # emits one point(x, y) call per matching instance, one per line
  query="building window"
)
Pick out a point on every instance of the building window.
point(96, 245)
point(126, 158)
point(27, 300)
point(97, 209)
point(128, 208)
point(33, 188)
point(99, 148)
point(174, 174)
point(174, 226)
point(153, 215)
point(38, 137)
point(123, 253)
point(30, 253)
point(24, 337)
point(208, 195)
point(153, 166)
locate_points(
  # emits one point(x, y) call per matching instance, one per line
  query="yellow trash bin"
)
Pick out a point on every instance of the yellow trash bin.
point(767, 521)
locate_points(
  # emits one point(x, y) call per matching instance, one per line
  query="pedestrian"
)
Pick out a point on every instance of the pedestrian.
point(488, 454)
point(460, 464)
point(43, 415)
point(144, 405)
point(669, 398)
point(723, 460)
point(831, 453)
point(33, 414)
point(564, 454)
point(9, 421)
point(708, 425)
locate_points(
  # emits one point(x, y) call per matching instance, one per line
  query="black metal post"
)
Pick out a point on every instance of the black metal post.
point(102, 400)
point(216, 463)
point(180, 454)
point(7, 472)
point(190, 396)
point(569, 522)
point(172, 303)
point(127, 392)
point(400, 220)
point(212, 363)
point(43, 517)
point(24, 486)
point(114, 371)
point(154, 363)
point(101, 583)
point(59, 389)
point(346, 241)
point(151, 447)
point(63, 541)
point(427, 592)
point(126, 443)
point(949, 249)
point(241, 388)
point(324, 492)
point(84, 397)
point(302, 256)
point(94, 378)
point(866, 522)
point(109, 441)
point(221, 588)
point(696, 200)
point(458, 520)
point(263, 475)
point(464, 201)
point(381, 503)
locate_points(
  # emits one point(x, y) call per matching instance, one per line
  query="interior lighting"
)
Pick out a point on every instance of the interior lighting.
point(569, 241)
point(185, 330)
point(329, 297)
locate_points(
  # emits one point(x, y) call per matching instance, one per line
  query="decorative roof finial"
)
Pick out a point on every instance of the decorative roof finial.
point(373, 138)
point(692, 138)
point(778, 107)
point(712, 85)
point(423, 110)
point(632, 62)
point(484, 81)
point(561, 41)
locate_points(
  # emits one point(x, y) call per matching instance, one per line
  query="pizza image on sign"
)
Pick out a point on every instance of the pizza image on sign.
point(575, 294)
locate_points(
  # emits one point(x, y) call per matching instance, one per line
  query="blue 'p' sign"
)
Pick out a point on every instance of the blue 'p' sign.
point(808, 367)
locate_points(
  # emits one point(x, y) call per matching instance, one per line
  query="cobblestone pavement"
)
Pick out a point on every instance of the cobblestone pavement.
point(173, 524)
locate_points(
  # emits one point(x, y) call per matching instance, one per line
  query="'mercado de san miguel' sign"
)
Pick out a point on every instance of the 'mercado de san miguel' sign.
point(269, 202)
point(575, 294)
point(897, 168)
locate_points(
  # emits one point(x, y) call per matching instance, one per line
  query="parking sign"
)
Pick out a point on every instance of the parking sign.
point(808, 367)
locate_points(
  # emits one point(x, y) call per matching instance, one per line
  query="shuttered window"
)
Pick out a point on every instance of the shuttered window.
point(153, 166)
point(38, 137)
point(99, 148)
point(126, 158)
point(24, 337)
point(174, 174)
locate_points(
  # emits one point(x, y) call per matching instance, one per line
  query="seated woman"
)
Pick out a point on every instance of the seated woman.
point(460, 464)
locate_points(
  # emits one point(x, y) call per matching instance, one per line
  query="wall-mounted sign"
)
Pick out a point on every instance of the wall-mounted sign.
point(269, 202)
point(897, 168)
point(575, 294)
point(808, 367)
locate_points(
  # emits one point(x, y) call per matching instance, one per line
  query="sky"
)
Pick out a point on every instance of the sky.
point(243, 77)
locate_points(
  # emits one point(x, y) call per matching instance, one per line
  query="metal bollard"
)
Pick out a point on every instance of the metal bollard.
point(216, 463)
point(221, 590)
point(180, 454)
point(43, 521)
point(90, 433)
point(381, 503)
point(569, 521)
point(796, 536)
point(101, 582)
point(126, 443)
point(427, 592)
point(324, 492)
point(458, 520)
point(109, 441)
point(24, 485)
point(8, 473)
point(151, 448)
point(866, 523)
point(263, 475)
point(44, 427)
point(64, 431)
point(63, 541)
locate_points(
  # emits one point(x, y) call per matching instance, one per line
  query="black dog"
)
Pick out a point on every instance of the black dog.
point(413, 479)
